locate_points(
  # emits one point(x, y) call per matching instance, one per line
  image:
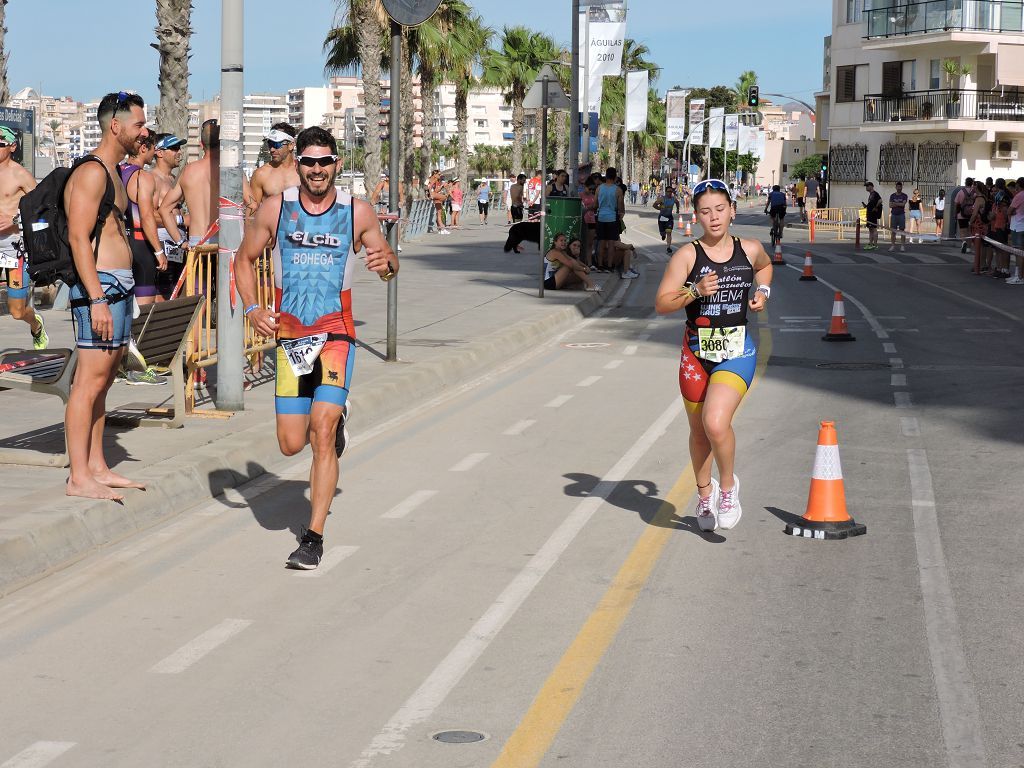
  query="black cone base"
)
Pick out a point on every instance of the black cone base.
point(809, 529)
point(838, 337)
point(808, 277)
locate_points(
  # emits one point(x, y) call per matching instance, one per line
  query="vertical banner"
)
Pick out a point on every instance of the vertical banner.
point(715, 127)
point(759, 150)
point(675, 115)
point(636, 100)
point(732, 129)
point(594, 89)
point(748, 138)
point(604, 54)
point(697, 122)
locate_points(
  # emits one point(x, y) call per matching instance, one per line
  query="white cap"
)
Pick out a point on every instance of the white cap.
point(277, 135)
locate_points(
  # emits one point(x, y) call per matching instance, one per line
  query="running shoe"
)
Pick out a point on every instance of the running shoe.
point(594, 289)
point(147, 377)
point(669, 250)
point(307, 556)
point(39, 339)
point(892, 248)
point(706, 506)
point(341, 436)
point(729, 510)
point(870, 247)
point(1015, 281)
point(903, 249)
point(629, 275)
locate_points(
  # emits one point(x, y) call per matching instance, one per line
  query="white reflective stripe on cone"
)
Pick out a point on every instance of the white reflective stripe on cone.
point(826, 463)
point(838, 310)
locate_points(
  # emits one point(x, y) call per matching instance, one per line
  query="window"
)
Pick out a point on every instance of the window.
point(796, 151)
point(481, 138)
point(892, 78)
point(481, 123)
point(854, 11)
point(935, 74)
point(846, 84)
point(785, 168)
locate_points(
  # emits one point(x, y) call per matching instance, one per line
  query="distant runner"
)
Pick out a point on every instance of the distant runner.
point(712, 279)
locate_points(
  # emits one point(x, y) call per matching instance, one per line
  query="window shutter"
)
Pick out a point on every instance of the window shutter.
point(892, 78)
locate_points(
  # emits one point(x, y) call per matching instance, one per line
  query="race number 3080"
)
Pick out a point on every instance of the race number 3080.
point(718, 344)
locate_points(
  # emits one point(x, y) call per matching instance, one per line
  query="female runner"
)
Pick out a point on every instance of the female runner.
point(712, 279)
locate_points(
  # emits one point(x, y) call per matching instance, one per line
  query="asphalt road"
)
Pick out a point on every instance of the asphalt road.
point(521, 560)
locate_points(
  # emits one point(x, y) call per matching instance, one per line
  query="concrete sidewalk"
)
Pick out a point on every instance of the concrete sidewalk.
point(464, 306)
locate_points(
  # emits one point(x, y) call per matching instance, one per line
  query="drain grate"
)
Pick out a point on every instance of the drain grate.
point(459, 737)
point(853, 366)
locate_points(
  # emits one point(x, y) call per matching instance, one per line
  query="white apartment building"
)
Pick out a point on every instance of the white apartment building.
point(896, 112)
point(788, 139)
point(259, 112)
point(490, 119)
point(311, 106)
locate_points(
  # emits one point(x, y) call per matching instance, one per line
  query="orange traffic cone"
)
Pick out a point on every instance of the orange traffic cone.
point(680, 221)
point(777, 256)
point(837, 330)
point(808, 268)
point(689, 230)
point(693, 217)
point(826, 516)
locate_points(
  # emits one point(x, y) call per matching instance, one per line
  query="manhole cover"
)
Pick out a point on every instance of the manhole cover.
point(586, 345)
point(853, 366)
point(459, 737)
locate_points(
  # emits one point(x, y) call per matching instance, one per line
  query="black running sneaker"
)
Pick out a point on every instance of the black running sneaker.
point(341, 436)
point(307, 556)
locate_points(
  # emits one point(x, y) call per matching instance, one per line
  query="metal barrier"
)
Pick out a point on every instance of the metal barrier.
point(200, 277)
point(838, 220)
point(420, 216)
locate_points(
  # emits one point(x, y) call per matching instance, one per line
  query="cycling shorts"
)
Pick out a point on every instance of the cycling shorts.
point(328, 382)
point(143, 267)
point(778, 210)
point(17, 277)
point(695, 374)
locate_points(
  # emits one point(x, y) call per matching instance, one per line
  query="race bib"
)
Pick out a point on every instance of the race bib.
point(8, 260)
point(302, 353)
point(718, 344)
point(664, 218)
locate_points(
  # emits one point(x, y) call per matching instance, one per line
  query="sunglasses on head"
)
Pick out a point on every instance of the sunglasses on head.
point(707, 184)
point(277, 144)
point(323, 162)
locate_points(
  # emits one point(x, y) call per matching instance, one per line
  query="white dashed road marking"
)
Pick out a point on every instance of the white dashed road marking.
point(589, 381)
point(630, 350)
point(909, 426)
point(559, 401)
point(896, 363)
point(898, 380)
point(190, 653)
point(331, 558)
point(519, 427)
point(408, 505)
point(902, 399)
point(889, 349)
point(39, 754)
point(469, 462)
point(611, 365)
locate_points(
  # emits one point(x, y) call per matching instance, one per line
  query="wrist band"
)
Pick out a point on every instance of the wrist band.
point(159, 253)
point(766, 290)
point(249, 309)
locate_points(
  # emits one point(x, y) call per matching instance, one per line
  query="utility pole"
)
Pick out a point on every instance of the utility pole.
point(230, 331)
point(394, 182)
point(577, 113)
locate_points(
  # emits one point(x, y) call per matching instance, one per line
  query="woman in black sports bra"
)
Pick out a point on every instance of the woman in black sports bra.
point(714, 280)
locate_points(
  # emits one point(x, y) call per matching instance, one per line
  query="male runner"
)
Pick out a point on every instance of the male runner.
point(280, 173)
point(147, 250)
point(199, 186)
point(873, 208)
point(800, 188)
point(15, 181)
point(168, 157)
point(316, 230)
point(101, 301)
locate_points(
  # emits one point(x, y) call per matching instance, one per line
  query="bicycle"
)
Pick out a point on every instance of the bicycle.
point(776, 230)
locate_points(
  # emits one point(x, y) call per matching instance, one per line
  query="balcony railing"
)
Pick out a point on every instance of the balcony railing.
point(945, 104)
point(945, 16)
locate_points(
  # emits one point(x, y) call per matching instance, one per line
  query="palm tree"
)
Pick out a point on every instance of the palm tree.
point(469, 39)
point(513, 66)
point(359, 44)
point(613, 98)
point(5, 88)
point(53, 125)
point(174, 39)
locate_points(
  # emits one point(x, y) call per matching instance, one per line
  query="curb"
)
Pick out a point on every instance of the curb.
point(60, 531)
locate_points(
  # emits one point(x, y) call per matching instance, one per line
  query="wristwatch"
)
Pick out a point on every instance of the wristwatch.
point(100, 300)
point(766, 290)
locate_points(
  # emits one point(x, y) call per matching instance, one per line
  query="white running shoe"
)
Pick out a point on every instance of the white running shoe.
point(729, 509)
point(1015, 281)
point(706, 506)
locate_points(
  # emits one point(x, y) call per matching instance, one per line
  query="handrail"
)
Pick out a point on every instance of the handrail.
point(945, 103)
point(944, 16)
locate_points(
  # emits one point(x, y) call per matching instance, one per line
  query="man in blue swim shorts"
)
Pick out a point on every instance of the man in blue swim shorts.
point(95, 202)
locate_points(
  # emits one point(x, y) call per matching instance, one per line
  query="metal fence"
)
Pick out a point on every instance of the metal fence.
point(944, 16)
point(945, 104)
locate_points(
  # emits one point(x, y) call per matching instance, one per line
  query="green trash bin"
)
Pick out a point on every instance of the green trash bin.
point(565, 216)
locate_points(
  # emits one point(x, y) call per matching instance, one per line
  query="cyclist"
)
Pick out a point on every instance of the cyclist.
point(775, 206)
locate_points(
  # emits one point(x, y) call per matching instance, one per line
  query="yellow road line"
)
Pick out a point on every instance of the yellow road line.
point(564, 686)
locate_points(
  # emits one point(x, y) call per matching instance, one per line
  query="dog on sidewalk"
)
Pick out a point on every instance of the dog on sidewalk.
point(522, 231)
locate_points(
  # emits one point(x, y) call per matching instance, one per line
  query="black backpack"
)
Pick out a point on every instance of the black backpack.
point(45, 225)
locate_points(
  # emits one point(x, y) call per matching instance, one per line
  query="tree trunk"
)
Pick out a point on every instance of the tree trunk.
point(174, 37)
point(5, 87)
point(561, 140)
point(518, 127)
point(427, 100)
point(462, 117)
point(371, 42)
point(408, 123)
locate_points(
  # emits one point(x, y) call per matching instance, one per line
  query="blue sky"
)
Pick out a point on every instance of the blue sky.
point(85, 49)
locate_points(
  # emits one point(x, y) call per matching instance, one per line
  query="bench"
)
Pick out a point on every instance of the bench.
point(161, 333)
point(48, 372)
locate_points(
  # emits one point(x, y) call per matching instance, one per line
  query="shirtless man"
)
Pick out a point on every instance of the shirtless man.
point(515, 198)
point(15, 181)
point(282, 170)
point(381, 197)
point(101, 301)
point(168, 157)
point(199, 186)
point(148, 256)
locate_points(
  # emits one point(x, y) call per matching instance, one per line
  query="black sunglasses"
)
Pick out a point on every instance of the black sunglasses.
point(4, 145)
point(277, 144)
point(323, 162)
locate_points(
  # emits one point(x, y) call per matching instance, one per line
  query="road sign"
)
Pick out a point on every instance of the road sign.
point(556, 94)
point(411, 13)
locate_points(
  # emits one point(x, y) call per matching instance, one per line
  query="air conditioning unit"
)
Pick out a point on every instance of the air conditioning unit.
point(1005, 149)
